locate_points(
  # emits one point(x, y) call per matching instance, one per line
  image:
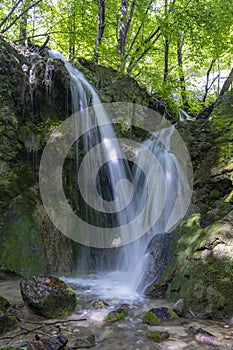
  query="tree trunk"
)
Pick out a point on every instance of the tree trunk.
point(72, 30)
point(124, 29)
point(181, 71)
point(100, 28)
point(166, 60)
point(227, 83)
point(123, 23)
point(207, 85)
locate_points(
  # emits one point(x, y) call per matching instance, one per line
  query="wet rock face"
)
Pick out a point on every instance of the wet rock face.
point(28, 114)
point(48, 296)
point(200, 269)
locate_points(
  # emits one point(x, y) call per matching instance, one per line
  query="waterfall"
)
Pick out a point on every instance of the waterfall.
point(120, 270)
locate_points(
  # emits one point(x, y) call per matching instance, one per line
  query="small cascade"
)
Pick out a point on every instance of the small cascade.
point(120, 271)
point(183, 115)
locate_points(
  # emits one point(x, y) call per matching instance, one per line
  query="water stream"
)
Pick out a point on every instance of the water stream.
point(127, 334)
point(120, 272)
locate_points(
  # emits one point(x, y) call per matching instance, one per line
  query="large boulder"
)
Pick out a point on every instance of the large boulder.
point(48, 296)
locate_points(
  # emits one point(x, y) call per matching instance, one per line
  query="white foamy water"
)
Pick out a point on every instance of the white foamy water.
point(120, 273)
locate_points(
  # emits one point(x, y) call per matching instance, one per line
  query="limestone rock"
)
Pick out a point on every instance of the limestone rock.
point(84, 341)
point(178, 307)
point(48, 296)
point(202, 335)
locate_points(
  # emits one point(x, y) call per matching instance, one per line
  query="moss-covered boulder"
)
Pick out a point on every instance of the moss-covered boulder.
point(48, 296)
point(204, 278)
point(201, 267)
point(159, 314)
point(116, 315)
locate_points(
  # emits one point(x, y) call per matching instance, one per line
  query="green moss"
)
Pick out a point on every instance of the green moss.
point(60, 307)
point(215, 194)
point(4, 303)
point(150, 318)
point(7, 322)
point(21, 248)
point(229, 198)
point(116, 315)
point(158, 336)
point(172, 314)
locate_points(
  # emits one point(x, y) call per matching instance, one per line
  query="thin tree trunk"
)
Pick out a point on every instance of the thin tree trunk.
point(72, 30)
point(138, 31)
point(100, 28)
point(207, 86)
point(166, 46)
point(23, 24)
point(227, 83)
point(166, 60)
point(122, 35)
point(125, 23)
point(134, 62)
point(181, 71)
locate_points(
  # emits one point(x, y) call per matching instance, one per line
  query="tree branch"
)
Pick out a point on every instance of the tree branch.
point(207, 87)
point(10, 13)
point(19, 16)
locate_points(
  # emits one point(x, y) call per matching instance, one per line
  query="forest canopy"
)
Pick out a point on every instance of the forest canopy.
point(181, 50)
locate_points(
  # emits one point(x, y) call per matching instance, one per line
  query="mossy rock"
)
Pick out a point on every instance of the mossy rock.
point(205, 285)
point(150, 318)
point(158, 315)
point(201, 270)
point(116, 315)
point(48, 296)
point(158, 336)
point(7, 322)
point(4, 303)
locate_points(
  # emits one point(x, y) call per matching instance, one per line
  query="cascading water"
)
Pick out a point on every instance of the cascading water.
point(120, 272)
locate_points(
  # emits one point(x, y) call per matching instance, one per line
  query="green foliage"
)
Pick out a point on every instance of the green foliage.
point(205, 28)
